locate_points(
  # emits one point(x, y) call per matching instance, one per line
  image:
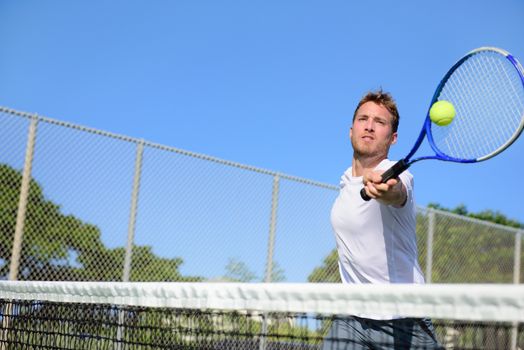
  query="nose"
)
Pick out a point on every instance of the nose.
point(369, 125)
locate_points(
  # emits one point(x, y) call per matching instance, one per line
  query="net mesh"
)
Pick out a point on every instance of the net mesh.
point(488, 95)
point(58, 315)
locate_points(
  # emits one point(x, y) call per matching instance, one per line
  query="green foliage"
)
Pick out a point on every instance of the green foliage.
point(238, 271)
point(62, 247)
point(465, 252)
point(486, 215)
point(469, 252)
point(278, 273)
point(328, 271)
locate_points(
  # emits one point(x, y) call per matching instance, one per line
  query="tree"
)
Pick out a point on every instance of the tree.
point(62, 247)
point(470, 252)
point(277, 273)
point(486, 215)
point(328, 271)
point(238, 271)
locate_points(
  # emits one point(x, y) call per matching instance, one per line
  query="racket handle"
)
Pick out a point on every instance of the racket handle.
point(397, 169)
point(364, 195)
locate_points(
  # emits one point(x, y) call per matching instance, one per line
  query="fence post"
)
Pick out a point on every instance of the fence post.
point(516, 280)
point(429, 244)
point(272, 229)
point(270, 251)
point(516, 258)
point(22, 204)
point(133, 211)
point(130, 233)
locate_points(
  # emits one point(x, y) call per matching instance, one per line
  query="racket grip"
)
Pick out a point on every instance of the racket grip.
point(397, 169)
point(364, 195)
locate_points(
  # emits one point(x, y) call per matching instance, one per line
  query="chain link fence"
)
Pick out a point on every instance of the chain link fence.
point(85, 205)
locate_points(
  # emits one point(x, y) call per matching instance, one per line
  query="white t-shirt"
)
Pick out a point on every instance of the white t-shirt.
point(376, 243)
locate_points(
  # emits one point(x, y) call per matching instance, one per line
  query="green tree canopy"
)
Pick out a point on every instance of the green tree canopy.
point(328, 271)
point(238, 271)
point(486, 215)
point(62, 247)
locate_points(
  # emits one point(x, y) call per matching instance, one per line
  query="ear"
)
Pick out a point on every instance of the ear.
point(394, 138)
point(350, 132)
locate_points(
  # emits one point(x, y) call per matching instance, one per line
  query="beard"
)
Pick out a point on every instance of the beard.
point(364, 150)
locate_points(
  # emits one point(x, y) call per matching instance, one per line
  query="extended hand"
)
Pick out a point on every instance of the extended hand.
point(391, 192)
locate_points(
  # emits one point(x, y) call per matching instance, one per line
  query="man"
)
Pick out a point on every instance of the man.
point(376, 240)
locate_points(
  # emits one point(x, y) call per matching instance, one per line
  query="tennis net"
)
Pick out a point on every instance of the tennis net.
point(85, 315)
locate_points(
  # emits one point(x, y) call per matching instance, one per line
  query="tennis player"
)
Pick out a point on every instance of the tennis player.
point(376, 240)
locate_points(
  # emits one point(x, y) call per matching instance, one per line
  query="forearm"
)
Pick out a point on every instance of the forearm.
point(393, 192)
point(395, 196)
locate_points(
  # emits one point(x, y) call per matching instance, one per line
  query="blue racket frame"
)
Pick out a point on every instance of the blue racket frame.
point(405, 163)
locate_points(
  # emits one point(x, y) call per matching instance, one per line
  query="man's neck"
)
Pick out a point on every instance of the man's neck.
point(362, 164)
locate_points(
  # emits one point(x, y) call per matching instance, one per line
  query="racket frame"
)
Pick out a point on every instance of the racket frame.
point(406, 162)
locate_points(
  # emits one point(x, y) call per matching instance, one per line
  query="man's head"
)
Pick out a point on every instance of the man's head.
point(375, 124)
point(384, 99)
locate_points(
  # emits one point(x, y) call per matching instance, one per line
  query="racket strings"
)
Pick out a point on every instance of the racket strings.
point(460, 143)
point(499, 120)
point(488, 90)
point(491, 140)
point(488, 96)
point(516, 104)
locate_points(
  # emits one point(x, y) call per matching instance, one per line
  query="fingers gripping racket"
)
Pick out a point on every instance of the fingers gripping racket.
point(486, 87)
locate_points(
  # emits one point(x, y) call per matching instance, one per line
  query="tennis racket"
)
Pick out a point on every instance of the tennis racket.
point(486, 87)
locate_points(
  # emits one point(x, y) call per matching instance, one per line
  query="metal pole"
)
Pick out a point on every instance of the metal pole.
point(20, 221)
point(516, 258)
point(22, 204)
point(133, 211)
point(516, 280)
point(429, 245)
point(272, 229)
point(130, 233)
point(270, 251)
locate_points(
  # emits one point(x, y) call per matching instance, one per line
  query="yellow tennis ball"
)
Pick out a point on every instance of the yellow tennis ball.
point(442, 113)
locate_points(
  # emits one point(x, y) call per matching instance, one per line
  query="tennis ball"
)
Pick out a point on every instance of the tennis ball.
point(442, 113)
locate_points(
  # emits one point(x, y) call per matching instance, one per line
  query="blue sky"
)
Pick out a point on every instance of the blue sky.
point(267, 83)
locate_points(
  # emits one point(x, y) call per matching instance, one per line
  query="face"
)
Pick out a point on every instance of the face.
point(372, 131)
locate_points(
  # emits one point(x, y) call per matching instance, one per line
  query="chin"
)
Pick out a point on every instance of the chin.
point(369, 153)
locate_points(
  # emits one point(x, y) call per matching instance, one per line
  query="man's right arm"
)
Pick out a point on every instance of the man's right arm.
point(393, 192)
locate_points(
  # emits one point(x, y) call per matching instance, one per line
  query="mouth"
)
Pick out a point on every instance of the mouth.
point(368, 138)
